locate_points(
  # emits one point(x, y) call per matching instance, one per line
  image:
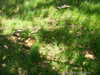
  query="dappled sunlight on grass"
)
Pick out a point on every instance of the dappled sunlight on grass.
point(13, 57)
point(40, 37)
point(8, 25)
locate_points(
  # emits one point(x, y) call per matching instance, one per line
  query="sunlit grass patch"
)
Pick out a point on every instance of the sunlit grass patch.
point(9, 25)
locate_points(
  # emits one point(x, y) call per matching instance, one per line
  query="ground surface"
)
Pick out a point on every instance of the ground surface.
point(40, 37)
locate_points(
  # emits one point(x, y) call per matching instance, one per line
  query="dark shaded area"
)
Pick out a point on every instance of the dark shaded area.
point(88, 9)
point(15, 60)
point(11, 8)
point(95, 46)
point(59, 35)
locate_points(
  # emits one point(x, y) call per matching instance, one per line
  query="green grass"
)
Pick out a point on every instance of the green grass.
point(62, 36)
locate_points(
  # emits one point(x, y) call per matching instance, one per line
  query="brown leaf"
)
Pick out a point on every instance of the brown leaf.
point(13, 38)
point(89, 54)
point(29, 42)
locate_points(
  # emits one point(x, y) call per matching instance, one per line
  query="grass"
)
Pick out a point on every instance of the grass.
point(38, 38)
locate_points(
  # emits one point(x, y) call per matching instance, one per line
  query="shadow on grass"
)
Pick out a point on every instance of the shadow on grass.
point(90, 8)
point(95, 45)
point(59, 35)
point(11, 8)
point(17, 60)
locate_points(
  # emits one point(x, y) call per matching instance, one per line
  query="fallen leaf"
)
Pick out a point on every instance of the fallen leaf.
point(5, 46)
point(4, 57)
point(89, 54)
point(64, 6)
point(3, 65)
point(13, 38)
point(29, 42)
